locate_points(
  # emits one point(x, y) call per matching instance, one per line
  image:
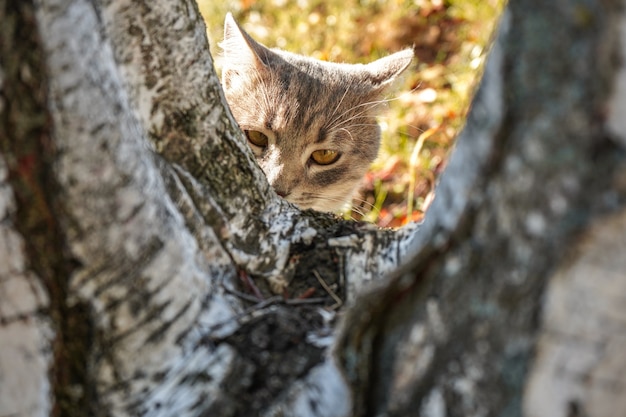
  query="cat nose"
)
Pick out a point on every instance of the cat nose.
point(283, 194)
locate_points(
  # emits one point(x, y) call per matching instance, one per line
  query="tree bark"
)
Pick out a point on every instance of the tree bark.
point(141, 247)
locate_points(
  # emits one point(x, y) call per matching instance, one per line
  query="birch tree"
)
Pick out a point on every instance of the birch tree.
point(141, 248)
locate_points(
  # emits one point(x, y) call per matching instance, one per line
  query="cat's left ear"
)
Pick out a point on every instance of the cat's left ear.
point(240, 49)
point(383, 72)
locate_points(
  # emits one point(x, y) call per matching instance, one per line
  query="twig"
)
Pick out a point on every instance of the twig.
point(306, 294)
point(277, 299)
point(242, 295)
point(245, 278)
point(299, 301)
point(338, 302)
point(255, 311)
point(246, 315)
point(342, 276)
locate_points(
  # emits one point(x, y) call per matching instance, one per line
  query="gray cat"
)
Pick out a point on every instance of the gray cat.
point(311, 124)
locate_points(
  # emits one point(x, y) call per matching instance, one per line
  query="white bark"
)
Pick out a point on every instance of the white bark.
point(154, 278)
point(25, 337)
point(161, 210)
point(152, 289)
point(616, 121)
point(580, 364)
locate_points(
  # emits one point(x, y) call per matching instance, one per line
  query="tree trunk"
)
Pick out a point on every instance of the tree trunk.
point(141, 246)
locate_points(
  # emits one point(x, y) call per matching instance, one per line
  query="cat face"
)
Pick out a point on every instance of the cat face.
point(311, 124)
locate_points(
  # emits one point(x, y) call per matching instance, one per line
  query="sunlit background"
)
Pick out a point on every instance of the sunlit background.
point(450, 39)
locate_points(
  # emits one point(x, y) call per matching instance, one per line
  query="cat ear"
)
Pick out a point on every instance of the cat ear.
point(383, 72)
point(240, 49)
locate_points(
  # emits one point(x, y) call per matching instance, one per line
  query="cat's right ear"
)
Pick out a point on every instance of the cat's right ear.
point(240, 50)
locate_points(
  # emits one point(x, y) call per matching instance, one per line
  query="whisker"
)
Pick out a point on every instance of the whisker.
point(381, 101)
point(365, 202)
point(259, 79)
point(371, 104)
point(357, 210)
point(360, 125)
point(341, 100)
point(362, 208)
point(337, 121)
point(348, 132)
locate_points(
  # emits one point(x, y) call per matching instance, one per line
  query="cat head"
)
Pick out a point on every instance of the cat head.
point(311, 124)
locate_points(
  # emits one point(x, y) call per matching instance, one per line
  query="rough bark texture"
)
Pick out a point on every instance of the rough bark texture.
point(141, 247)
point(466, 311)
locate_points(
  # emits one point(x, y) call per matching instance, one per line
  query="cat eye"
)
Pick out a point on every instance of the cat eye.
point(256, 138)
point(325, 156)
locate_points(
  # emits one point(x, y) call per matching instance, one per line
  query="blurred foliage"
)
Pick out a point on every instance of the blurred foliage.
point(450, 39)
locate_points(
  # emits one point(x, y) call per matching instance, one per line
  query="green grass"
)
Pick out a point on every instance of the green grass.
point(425, 115)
